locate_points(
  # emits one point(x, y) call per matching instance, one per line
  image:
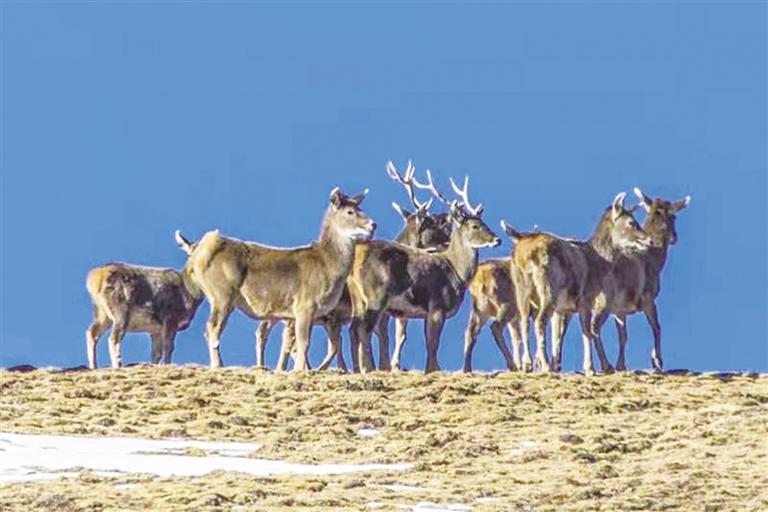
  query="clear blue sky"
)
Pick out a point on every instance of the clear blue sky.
point(123, 121)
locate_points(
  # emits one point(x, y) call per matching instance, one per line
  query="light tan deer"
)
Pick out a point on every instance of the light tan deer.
point(303, 283)
point(130, 298)
point(635, 281)
point(563, 277)
point(414, 283)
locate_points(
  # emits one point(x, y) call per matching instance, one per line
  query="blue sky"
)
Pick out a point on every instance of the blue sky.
point(123, 121)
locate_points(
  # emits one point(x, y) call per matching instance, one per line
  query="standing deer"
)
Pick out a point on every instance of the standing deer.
point(414, 283)
point(564, 277)
point(303, 283)
point(129, 298)
point(636, 280)
point(421, 229)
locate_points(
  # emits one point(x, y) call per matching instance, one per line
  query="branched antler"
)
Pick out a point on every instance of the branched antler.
point(463, 193)
point(431, 187)
point(408, 182)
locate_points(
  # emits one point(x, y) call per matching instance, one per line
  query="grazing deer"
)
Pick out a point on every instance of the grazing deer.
point(563, 277)
point(414, 283)
point(303, 283)
point(129, 298)
point(421, 229)
point(636, 280)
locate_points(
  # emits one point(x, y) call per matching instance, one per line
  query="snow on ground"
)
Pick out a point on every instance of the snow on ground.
point(25, 458)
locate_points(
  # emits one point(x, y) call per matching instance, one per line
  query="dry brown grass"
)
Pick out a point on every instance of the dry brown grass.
point(535, 442)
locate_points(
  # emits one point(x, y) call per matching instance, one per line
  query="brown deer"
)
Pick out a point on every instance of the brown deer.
point(130, 298)
point(414, 283)
point(636, 280)
point(563, 277)
point(303, 283)
point(421, 229)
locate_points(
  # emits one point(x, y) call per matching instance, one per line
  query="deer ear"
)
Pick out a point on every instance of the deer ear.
point(457, 214)
point(405, 214)
point(617, 208)
point(359, 197)
point(185, 244)
point(645, 201)
point(682, 204)
point(336, 197)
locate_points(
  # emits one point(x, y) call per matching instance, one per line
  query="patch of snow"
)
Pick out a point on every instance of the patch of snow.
point(375, 504)
point(26, 458)
point(368, 432)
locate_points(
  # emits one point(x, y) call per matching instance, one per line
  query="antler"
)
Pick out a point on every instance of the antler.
point(431, 187)
point(464, 195)
point(408, 183)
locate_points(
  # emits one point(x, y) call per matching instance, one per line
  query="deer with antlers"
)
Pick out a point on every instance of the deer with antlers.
point(407, 282)
point(421, 230)
point(563, 277)
point(635, 280)
point(302, 284)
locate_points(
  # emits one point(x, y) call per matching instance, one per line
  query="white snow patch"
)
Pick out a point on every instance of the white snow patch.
point(368, 432)
point(26, 458)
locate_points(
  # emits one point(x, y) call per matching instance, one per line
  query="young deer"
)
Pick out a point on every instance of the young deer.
point(421, 229)
point(159, 301)
point(414, 283)
point(636, 280)
point(303, 283)
point(563, 277)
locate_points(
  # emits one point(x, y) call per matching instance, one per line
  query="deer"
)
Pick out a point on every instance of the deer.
point(132, 298)
point(636, 280)
point(406, 282)
point(303, 283)
point(564, 276)
point(421, 229)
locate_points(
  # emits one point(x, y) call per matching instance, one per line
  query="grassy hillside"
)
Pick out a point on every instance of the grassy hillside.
point(493, 442)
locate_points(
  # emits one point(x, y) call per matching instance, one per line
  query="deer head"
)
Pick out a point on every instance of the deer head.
point(345, 217)
point(619, 228)
point(422, 229)
point(662, 214)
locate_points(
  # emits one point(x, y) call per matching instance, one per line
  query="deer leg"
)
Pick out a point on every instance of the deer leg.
point(115, 337)
point(540, 325)
point(92, 334)
point(497, 329)
point(585, 317)
point(524, 320)
point(213, 328)
point(382, 333)
point(598, 320)
point(262, 335)
point(652, 315)
point(474, 326)
point(169, 344)
point(401, 333)
point(433, 328)
point(621, 331)
point(333, 329)
point(364, 330)
point(303, 330)
point(286, 346)
point(514, 334)
point(157, 347)
point(354, 345)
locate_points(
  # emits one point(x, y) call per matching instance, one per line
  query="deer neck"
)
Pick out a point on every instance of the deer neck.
point(193, 291)
point(461, 257)
point(601, 241)
point(336, 250)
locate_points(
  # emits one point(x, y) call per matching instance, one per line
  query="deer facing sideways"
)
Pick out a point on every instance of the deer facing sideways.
point(303, 283)
point(412, 283)
point(130, 298)
point(563, 277)
point(635, 280)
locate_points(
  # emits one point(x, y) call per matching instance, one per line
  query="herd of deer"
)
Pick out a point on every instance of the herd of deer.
point(346, 277)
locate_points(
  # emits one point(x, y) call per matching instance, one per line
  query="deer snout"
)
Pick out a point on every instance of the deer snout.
point(496, 242)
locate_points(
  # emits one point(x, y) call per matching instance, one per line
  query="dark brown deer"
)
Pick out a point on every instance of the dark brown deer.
point(421, 229)
point(414, 283)
point(303, 283)
point(130, 298)
point(636, 281)
point(563, 277)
